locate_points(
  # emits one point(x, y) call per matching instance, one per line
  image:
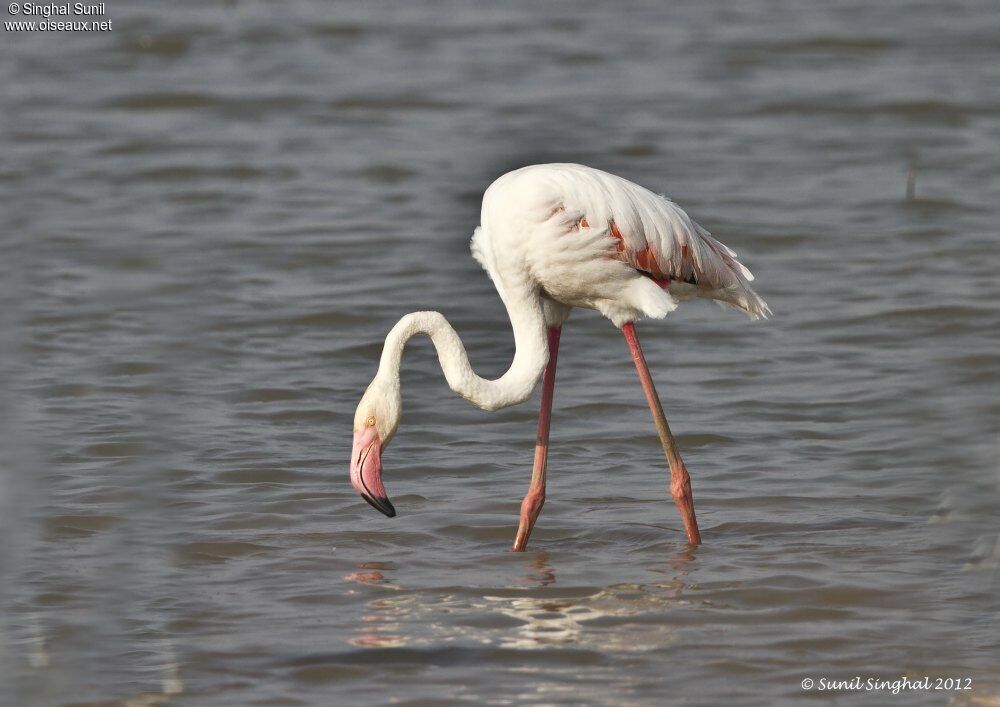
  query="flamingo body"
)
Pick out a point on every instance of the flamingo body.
point(592, 239)
point(553, 237)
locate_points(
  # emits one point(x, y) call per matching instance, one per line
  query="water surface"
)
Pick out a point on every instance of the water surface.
point(214, 214)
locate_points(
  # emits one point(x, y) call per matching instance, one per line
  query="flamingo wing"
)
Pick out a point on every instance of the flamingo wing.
point(656, 237)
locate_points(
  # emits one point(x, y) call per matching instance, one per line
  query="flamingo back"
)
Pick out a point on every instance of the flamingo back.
point(641, 229)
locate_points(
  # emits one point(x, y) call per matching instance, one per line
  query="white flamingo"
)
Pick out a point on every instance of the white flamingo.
point(553, 237)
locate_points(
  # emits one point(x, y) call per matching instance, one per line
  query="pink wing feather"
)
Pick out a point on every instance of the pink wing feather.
point(656, 237)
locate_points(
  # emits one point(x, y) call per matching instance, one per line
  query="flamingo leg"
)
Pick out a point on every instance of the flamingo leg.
point(533, 501)
point(680, 481)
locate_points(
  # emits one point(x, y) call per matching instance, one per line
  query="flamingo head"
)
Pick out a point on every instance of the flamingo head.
point(375, 423)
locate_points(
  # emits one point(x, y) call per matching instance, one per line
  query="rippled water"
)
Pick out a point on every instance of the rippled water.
point(215, 212)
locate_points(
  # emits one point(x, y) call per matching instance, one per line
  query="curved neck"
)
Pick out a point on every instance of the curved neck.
point(514, 386)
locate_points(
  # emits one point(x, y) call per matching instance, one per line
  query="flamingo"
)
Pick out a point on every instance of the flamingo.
point(553, 237)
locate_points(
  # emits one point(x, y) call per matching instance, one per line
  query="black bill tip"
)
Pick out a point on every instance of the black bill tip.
point(380, 504)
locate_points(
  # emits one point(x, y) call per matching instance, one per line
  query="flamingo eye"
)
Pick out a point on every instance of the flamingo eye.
point(370, 422)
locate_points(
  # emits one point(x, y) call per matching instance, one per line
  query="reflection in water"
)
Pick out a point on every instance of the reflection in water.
point(545, 621)
point(556, 620)
point(162, 662)
point(378, 629)
point(171, 683)
point(543, 617)
point(371, 574)
point(38, 654)
point(539, 573)
point(679, 566)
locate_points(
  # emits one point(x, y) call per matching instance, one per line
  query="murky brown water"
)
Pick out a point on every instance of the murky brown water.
point(214, 213)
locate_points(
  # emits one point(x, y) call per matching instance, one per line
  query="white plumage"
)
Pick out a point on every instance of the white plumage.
point(592, 239)
point(553, 237)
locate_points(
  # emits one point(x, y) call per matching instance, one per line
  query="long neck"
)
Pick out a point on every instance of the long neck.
point(514, 386)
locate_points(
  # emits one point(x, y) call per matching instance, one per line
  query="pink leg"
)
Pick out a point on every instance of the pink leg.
point(680, 481)
point(532, 504)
